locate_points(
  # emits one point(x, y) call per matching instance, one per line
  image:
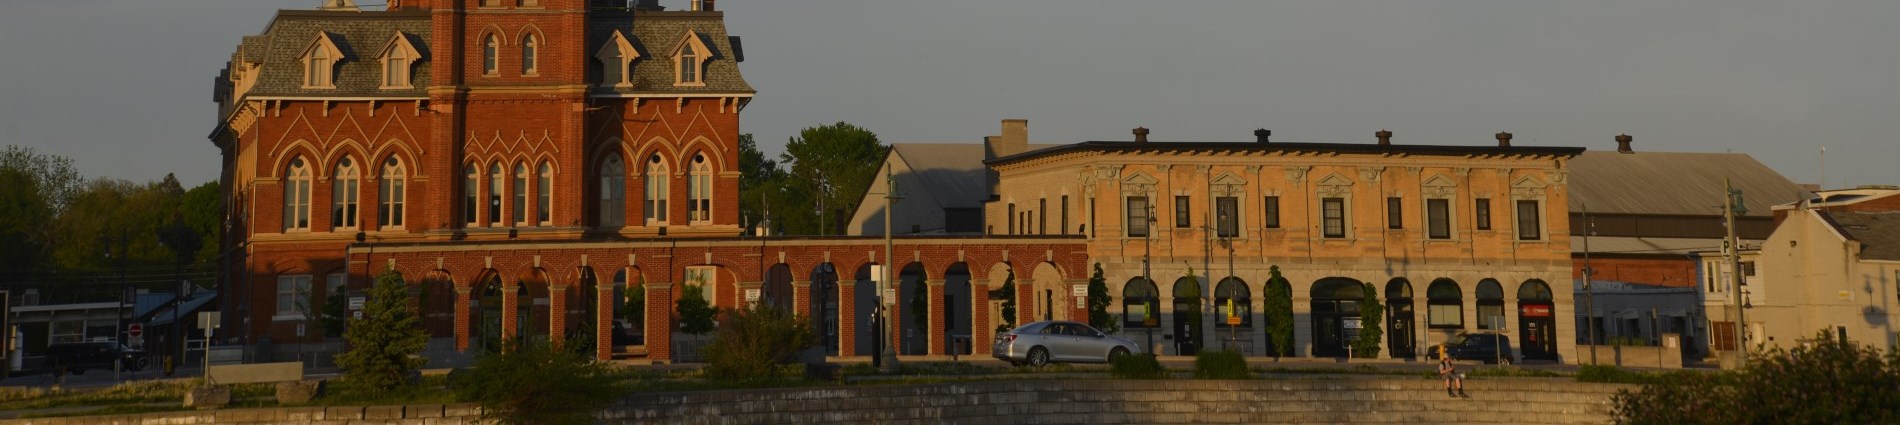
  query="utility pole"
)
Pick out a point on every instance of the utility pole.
point(888, 356)
point(1732, 205)
point(1589, 286)
point(1147, 247)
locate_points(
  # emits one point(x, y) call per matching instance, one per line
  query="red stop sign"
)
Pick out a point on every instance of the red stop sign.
point(135, 330)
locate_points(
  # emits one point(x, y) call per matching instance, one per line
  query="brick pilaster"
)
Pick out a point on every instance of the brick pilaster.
point(603, 321)
point(848, 318)
point(557, 314)
point(801, 298)
point(937, 340)
point(462, 317)
point(659, 317)
point(510, 312)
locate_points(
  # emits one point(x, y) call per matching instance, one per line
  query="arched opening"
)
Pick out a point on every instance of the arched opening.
point(1336, 320)
point(1050, 294)
point(532, 318)
point(777, 291)
point(864, 313)
point(582, 304)
point(436, 299)
point(824, 306)
point(1187, 316)
point(489, 303)
point(630, 309)
point(912, 310)
point(1490, 305)
point(1141, 308)
point(1536, 320)
point(1233, 303)
point(1401, 334)
point(957, 310)
point(1445, 305)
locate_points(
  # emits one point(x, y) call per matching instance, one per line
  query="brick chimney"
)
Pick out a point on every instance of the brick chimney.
point(1385, 137)
point(1623, 143)
point(1141, 134)
point(1504, 140)
point(1261, 135)
point(703, 5)
point(1014, 139)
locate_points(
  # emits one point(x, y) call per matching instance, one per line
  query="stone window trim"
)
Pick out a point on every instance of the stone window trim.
point(1528, 190)
point(1334, 186)
point(320, 60)
point(699, 191)
point(689, 59)
point(491, 55)
point(530, 54)
point(399, 58)
point(616, 57)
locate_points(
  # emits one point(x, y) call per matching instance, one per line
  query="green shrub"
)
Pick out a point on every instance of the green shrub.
point(1222, 364)
point(539, 384)
point(386, 343)
point(1371, 314)
point(1822, 381)
point(1137, 366)
point(753, 342)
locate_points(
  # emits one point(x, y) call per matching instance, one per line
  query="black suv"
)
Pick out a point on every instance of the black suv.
point(1478, 346)
point(76, 357)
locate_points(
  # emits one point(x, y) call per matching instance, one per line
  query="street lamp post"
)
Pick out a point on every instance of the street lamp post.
point(887, 356)
point(1589, 288)
point(1147, 247)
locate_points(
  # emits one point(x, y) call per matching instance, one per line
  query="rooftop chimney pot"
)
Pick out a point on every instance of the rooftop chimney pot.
point(1623, 143)
point(1261, 135)
point(1504, 139)
point(1141, 134)
point(1385, 137)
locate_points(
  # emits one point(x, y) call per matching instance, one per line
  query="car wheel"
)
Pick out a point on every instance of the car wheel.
point(1116, 353)
point(1038, 357)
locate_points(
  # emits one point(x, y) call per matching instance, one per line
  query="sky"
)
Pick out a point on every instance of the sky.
point(123, 87)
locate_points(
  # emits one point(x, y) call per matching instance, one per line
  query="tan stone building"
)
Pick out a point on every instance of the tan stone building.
point(1450, 238)
point(1832, 265)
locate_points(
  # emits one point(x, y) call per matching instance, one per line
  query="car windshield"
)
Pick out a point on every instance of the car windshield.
point(1457, 340)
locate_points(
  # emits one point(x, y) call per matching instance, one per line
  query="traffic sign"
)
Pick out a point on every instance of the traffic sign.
point(135, 330)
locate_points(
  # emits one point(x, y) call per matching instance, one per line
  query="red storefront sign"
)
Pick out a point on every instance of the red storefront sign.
point(1536, 310)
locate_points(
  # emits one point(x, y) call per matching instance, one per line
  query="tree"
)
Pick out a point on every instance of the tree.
point(1007, 293)
point(56, 178)
point(1824, 380)
point(755, 341)
point(696, 315)
point(386, 342)
point(203, 212)
point(24, 214)
point(540, 384)
point(635, 309)
point(760, 181)
point(1279, 312)
point(1371, 315)
point(1099, 301)
point(334, 313)
point(832, 165)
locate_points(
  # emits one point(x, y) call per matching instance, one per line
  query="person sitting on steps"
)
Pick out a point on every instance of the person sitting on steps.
point(1450, 373)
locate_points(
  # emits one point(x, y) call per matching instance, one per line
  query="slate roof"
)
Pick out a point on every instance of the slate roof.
point(358, 35)
point(953, 173)
point(1878, 232)
point(655, 35)
point(1674, 183)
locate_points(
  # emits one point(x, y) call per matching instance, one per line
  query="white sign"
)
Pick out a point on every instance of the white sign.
point(1352, 323)
point(356, 303)
point(1081, 303)
point(208, 320)
point(890, 296)
point(1079, 290)
point(751, 295)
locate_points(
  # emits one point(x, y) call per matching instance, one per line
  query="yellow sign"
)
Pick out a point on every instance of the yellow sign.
point(1233, 316)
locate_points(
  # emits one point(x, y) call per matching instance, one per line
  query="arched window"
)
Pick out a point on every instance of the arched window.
point(318, 73)
point(1232, 298)
point(613, 192)
point(491, 49)
point(521, 193)
point(699, 190)
point(656, 191)
point(689, 65)
point(528, 46)
point(544, 190)
point(390, 195)
point(494, 194)
point(297, 195)
point(471, 193)
point(343, 194)
point(1490, 304)
point(1141, 304)
point(1446, 305)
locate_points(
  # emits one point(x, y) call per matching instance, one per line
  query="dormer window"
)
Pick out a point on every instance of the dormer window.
point(319, 61)
point(399, 57)
point(690, 60)
point(615, 57)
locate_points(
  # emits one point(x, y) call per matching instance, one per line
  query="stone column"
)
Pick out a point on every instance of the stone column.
point(937, 341)
point(510, 312)
point(659, 318)
point(462, 317)
point(557, 314)
point(603, 321)
point(801, 298)
point(848, 318)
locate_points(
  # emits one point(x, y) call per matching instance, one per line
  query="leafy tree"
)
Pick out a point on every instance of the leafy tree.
point(1099, 302)
point(755, 341)
point(334, 313)
point(1007, 293)
point(54, 176)
point(1279, 312)
point(1371, 314)
point(203, 212)
point(540, 384)
point(386, 343)
point(24, 214)
point(1822, 381)
point(696, 314)
point(832, 165)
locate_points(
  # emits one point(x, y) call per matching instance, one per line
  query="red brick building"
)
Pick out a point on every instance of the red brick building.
point(527, 164)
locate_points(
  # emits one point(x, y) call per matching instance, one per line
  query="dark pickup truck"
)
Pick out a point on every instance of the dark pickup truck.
point(76, 357)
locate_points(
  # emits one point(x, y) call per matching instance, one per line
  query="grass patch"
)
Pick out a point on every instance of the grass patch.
point(110, 410)
point(130, 393)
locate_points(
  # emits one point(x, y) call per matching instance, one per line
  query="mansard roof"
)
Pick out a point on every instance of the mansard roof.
point(359, 35)
point(656, 34)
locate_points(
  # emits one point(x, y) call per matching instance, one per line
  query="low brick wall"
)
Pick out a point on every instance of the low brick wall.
point(1320, 400)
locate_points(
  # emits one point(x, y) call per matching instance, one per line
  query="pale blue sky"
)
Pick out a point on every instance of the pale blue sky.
point(124, 86)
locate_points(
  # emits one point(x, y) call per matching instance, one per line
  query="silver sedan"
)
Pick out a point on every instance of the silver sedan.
point(1041, 343)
